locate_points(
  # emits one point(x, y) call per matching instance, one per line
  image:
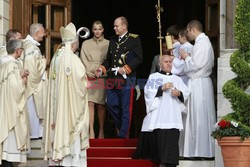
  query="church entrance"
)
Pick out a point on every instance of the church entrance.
point(142, 19)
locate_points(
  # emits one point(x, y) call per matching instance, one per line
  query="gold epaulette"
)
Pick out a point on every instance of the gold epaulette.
point(133, 35)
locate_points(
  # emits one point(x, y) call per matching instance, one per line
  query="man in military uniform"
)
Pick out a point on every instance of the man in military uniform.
point(123, 58)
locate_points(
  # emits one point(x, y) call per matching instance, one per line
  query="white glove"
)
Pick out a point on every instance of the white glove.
point(138, 92)
point(116, 71)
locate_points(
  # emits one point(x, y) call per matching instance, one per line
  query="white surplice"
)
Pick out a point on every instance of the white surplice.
point(163, 112)
point(178, 62)
point(200, 121)
point(176, 48)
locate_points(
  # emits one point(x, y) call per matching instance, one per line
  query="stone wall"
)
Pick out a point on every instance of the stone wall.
point(4, 20)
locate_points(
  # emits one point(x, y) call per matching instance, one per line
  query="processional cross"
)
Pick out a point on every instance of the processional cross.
point(159, 10)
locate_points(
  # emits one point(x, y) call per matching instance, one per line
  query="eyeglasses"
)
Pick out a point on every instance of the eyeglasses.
point(21, 48)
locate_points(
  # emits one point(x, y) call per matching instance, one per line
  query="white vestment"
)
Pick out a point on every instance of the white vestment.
point(36, 86)
point(200, 121)
point(14, 136)
point(176, 49)
point(67, 110)
point(178, 62)
point(164, 112)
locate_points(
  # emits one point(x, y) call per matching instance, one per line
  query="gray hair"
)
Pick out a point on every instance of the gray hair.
point(13, 45)
point(35, 27)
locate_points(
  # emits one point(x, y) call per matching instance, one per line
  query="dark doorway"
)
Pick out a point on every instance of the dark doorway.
point(141, 15)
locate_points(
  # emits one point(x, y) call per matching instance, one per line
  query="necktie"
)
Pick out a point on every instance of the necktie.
point(119, 39)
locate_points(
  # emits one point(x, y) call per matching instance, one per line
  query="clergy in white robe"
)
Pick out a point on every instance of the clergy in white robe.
point(36, 91)
point(14, 136)
point(165, 94)
point(66, 133)
point(198, 141)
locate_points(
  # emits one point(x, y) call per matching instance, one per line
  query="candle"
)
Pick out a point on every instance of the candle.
point(169, 42)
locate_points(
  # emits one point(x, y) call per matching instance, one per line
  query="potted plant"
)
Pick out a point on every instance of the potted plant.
point(234, 129)
point(227, 128)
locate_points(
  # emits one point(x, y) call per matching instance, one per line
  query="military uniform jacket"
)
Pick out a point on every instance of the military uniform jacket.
point(130, 43)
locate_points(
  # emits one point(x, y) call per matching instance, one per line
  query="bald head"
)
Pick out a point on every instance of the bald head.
point(124, 21)
point(165, 62)
point(120, 25)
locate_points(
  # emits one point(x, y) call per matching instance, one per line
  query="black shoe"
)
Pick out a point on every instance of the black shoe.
point(6, 164)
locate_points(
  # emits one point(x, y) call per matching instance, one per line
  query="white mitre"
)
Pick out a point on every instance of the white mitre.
point(68, 34)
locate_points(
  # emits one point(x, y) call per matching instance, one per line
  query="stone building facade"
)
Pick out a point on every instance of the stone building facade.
point(227, 47)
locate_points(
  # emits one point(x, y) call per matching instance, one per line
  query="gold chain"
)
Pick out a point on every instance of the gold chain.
point(118, 44)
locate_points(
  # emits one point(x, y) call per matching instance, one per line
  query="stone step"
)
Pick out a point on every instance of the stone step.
point(36, 143)
point(35, 154)
point(183, 163)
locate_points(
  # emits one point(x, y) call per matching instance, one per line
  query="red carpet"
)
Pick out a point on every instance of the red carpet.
point(114, 153)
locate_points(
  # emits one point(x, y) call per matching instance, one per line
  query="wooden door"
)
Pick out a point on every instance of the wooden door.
point(51, 13)
point(212, 22)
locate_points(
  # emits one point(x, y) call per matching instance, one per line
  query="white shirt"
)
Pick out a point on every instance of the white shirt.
point(120, 37)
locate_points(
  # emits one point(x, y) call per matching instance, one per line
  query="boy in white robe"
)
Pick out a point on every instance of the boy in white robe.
point(187, 47)
point(14, 136)
point(165, 94)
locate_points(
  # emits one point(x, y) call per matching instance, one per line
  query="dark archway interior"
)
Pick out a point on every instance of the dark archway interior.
point(141, 15)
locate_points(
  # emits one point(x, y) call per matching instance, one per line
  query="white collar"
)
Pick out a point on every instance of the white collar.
point(201, 35)
point(123, 35)
point(31, 39)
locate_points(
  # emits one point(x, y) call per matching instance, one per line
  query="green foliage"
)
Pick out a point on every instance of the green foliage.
point(234, 89)
point(239, 99)
point(242, 24)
